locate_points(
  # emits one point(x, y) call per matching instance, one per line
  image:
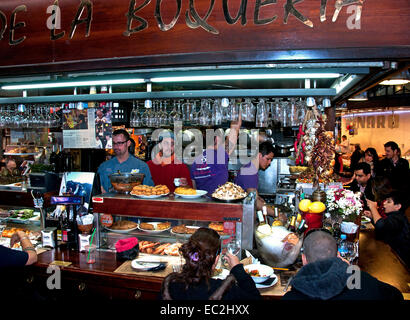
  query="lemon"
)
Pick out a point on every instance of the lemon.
point(317, 207)
point(277, 223)
point(304, 205)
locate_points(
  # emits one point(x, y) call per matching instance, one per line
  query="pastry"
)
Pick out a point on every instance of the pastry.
point(229, 191)
point(185, 191)
point(123, 225)
point(179, 229)
point(146, 226)
point(217, 226)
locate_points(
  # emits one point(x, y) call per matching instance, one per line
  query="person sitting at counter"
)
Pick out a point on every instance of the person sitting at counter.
point(165, 167)
point(363, 181)
point(123, 162)
point(14, 258)
point(325, 276)
point(195, 282)
point(210, 169)
point(247, 176)
point(395, 228)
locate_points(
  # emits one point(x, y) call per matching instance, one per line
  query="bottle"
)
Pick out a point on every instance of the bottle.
point(302, 227)
point(265, 213)
point(263, 227)
point(292, 224)
point(342, 246)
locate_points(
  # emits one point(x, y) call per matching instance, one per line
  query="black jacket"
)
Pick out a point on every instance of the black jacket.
point(399, 174)
point(368, 191)
point(395, 231)
point(243, 289)
point(328, 279)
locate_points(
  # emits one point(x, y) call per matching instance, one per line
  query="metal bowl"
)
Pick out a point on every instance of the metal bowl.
point(125, 182)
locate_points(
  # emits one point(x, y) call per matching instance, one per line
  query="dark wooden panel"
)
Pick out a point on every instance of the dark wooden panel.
point(384, 24)
point(169, 208)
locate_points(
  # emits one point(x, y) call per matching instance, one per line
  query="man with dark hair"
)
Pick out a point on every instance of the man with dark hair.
point(248, 177)
point(357, 154)
point(363, 181)
point(123, 161)
point(395, 168)
point(165, 165)
point(325, 276)
point(395, 228)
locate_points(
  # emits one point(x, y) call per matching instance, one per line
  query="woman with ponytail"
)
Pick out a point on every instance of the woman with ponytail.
point(195, 281)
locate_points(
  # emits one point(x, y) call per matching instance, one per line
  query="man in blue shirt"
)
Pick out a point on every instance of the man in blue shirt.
point(123, 162)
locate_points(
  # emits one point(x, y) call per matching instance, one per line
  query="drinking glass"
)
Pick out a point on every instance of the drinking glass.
point(246, 109)
point(134, 116)
point(195, 114)
point(217, 112)
point(351, 251)
point(261, 114)
point(163, 115)
point(234, 247)
point(235, 109)
point(204, 117)
point(187, 111)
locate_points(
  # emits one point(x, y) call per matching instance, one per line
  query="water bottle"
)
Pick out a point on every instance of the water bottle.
point(342, 246)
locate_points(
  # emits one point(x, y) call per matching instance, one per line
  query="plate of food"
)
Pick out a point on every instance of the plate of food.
point(153, 196)
point(149, 192)
point(220, 274)
point(259, 272)
point(141, 265)
point(229, 192)
point(189, 193)
point(154, 227)
point(123, 226)
point(365, 220)
point(184, 230)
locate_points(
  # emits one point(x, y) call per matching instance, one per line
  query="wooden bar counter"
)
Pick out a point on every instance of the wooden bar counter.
point(100, 281)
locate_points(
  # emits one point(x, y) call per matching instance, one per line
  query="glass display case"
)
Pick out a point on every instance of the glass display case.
point(16, 218)
point(162, 225)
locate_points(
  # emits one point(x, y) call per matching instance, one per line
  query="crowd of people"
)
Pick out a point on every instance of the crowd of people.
point(384, 185)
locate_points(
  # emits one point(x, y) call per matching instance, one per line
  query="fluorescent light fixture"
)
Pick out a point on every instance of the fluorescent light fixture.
point(374, 113)
point(398, 79)
point(394, 82)
point(255, 76)
point(341, 85)
point(71, 84)
point(359, 97)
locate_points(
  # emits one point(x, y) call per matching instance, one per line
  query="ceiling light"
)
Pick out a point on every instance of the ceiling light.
point(64, 84)
point(398, 79)
point(255, 76)
point(359, 97)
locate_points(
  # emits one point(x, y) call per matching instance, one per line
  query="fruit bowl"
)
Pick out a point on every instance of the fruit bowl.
point(125, 182)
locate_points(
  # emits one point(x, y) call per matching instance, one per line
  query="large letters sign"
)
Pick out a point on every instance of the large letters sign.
point(49, 32)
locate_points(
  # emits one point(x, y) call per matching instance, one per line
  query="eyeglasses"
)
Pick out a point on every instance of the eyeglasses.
point(119, 143)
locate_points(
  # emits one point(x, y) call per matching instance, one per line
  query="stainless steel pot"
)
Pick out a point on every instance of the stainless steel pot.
point(283, 150)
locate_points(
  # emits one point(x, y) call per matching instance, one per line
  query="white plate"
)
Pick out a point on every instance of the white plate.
point(153, 231)
point(261, 286)
point(121, 231)
point(185, 234)
point(154, 196)
point(222, 275)
point(365, 220)
point(199, 193)
point(143, 266)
